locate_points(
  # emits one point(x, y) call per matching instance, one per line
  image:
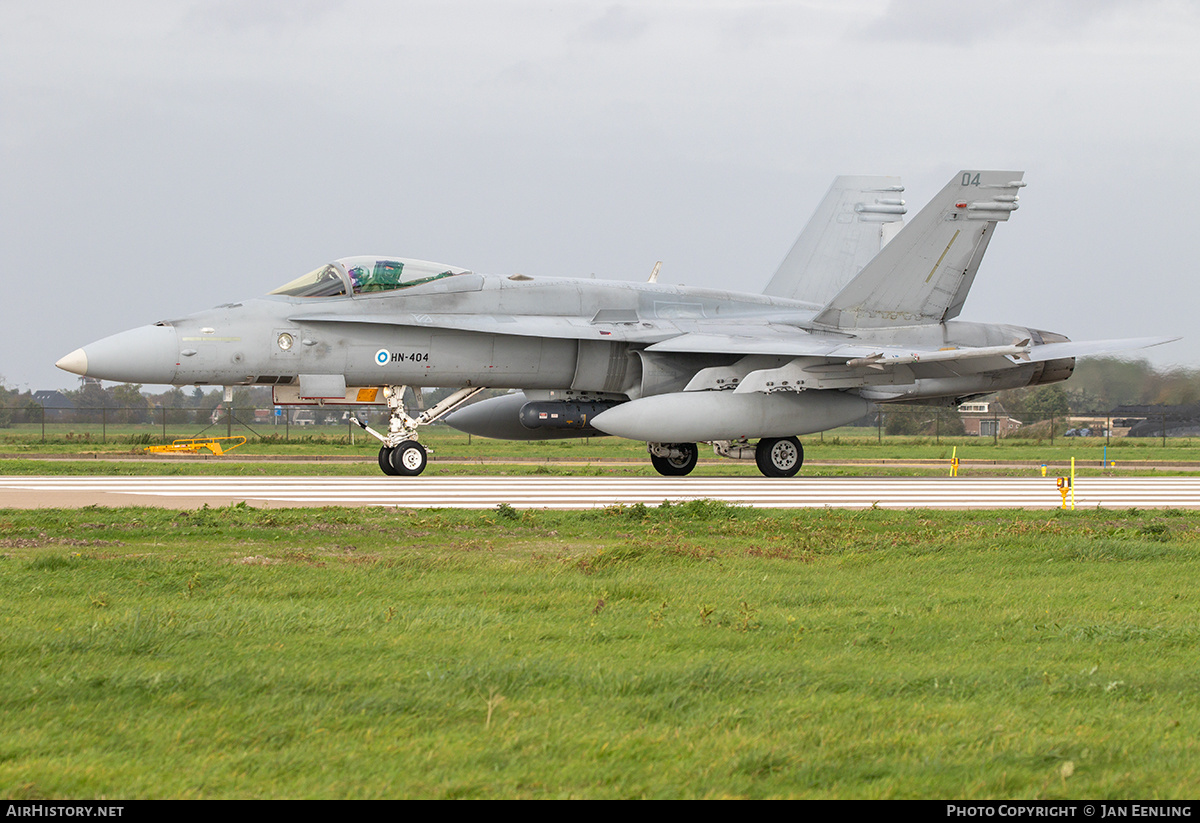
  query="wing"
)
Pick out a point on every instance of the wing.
point(820, 361)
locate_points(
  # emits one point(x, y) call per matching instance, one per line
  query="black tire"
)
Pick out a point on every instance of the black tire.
point(677, 466)
point(385, 461)
point(779, 456)
point(409, 458)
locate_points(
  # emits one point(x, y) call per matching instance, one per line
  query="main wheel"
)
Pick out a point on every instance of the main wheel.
point(385, 461)
point(779, 456)
point(677, 466)
point(409, 458)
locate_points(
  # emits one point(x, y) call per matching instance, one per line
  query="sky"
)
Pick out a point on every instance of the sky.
point(158, 158)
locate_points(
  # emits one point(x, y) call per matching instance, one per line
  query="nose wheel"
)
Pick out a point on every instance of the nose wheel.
point(385, 461)
point(406, 460)
point(409, 458)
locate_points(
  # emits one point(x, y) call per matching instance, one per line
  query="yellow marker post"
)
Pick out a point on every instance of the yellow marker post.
point(1043, 470)
point(1072, 484)
point(954, 462)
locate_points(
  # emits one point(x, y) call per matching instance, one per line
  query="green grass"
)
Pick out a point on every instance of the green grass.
point(695, 650)
point(446, 443)
point(453, 452)
point(367, 467)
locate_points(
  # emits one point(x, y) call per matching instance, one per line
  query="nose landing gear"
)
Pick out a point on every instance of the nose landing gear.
point(401, 455)
point(406, 460)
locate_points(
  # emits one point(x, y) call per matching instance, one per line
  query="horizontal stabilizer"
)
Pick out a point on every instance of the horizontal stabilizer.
point(1083, 348)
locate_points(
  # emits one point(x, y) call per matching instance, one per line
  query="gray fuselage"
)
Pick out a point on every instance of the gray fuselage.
point(500, 332)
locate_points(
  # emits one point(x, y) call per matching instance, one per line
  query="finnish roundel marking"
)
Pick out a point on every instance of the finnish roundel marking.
point(382, 357)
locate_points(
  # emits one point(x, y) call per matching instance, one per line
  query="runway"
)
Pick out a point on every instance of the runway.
point(588, 493)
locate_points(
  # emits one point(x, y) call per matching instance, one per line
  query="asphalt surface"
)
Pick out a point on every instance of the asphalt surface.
point(586, 493)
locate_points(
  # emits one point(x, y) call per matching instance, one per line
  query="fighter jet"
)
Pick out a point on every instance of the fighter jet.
point(861, 311)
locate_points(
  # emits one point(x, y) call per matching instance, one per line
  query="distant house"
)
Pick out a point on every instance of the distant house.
point(56, 404)
point(53, 399)
point(981, 419)
point(1157, 420)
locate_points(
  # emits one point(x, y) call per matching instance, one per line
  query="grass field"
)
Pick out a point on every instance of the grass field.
point(446, 443)
point(453, 452)
point(695, 650)
point(368, 468)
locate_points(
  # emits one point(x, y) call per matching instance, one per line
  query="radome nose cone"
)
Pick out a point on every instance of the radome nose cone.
point(75, 362)
point(148, 354)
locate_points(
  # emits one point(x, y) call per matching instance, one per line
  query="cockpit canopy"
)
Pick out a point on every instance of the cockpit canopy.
point(366, 275)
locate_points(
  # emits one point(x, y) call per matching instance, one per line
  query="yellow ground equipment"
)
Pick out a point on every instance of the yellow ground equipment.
point(216, 445)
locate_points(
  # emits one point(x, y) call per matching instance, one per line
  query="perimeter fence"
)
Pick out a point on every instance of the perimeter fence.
point(31, 423)
point(157, 425)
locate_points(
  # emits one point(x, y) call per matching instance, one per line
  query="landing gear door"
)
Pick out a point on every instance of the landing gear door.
point(352, 396)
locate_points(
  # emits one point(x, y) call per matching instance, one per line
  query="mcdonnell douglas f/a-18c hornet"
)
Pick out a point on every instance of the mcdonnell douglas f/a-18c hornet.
point(861, 311)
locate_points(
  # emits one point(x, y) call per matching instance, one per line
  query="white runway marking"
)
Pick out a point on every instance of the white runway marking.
point(587, 493)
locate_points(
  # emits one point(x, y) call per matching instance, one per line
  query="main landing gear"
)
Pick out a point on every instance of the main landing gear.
point(401, 455)
point(779, 456)
point(775, 456)
point(673, 459)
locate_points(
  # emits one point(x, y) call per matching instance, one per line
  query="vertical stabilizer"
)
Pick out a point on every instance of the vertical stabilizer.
point(849, 227)
point(923, 275)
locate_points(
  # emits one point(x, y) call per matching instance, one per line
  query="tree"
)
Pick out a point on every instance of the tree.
point(89, 398)
point(1045, 402)
point(951, 424)
point(130, 405)
point(922, 420)
point(7, 402)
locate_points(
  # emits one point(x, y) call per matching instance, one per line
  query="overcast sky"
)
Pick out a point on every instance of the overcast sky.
point(158, 158)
